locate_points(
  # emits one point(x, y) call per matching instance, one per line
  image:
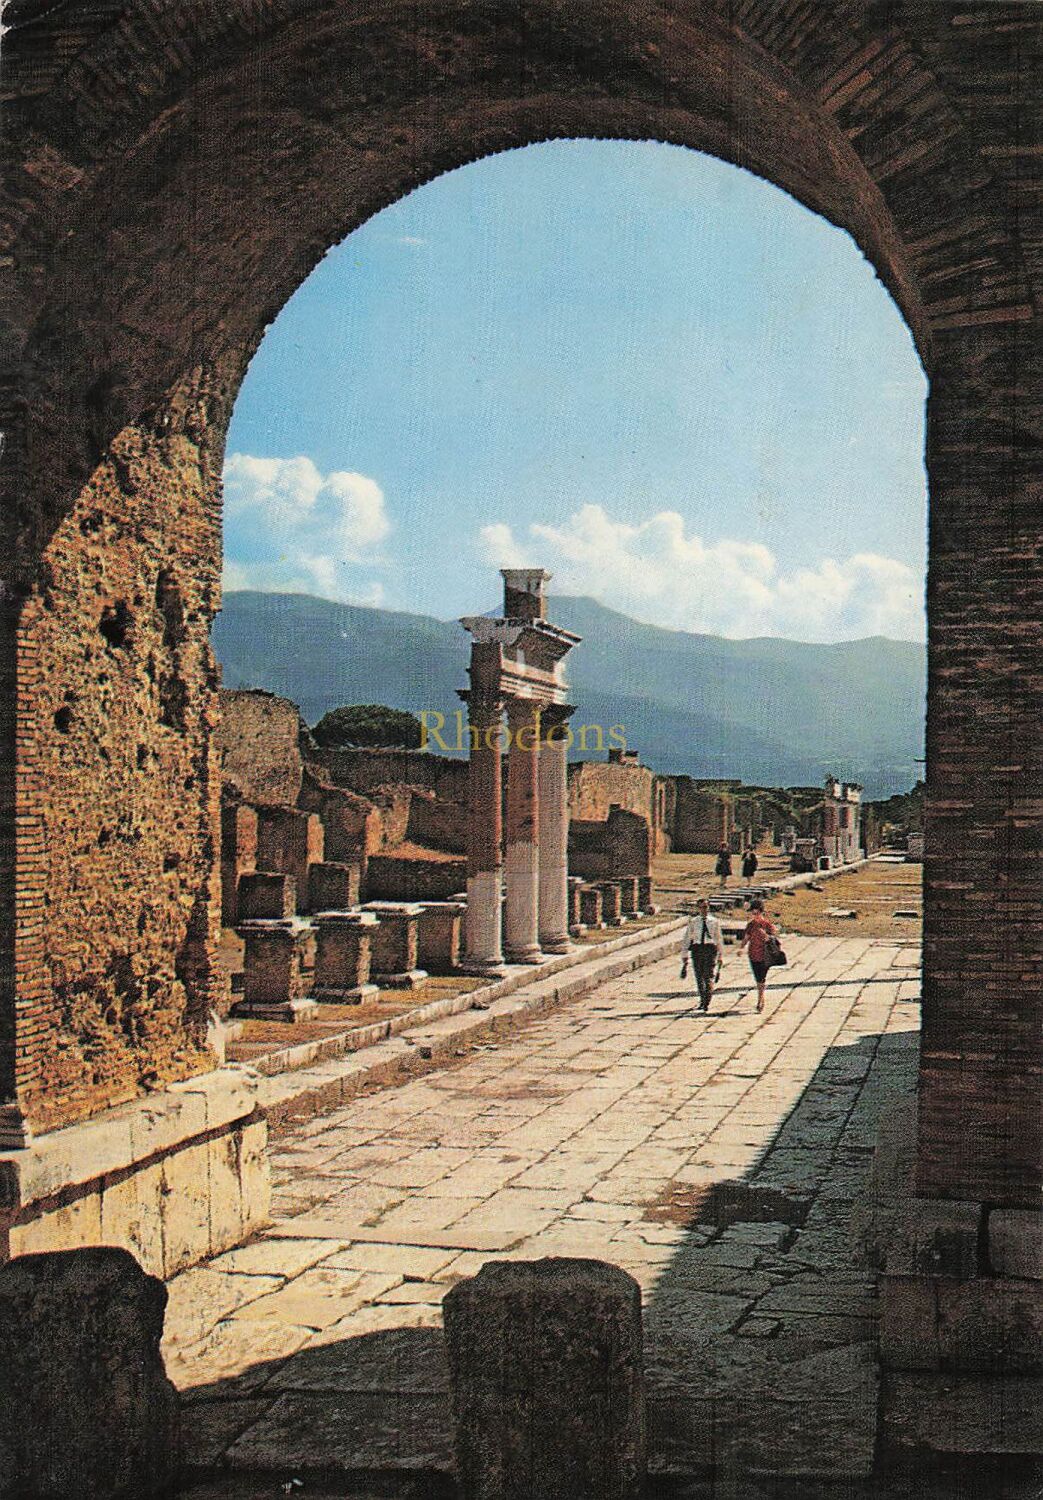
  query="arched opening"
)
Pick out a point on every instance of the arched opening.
point(134, 340)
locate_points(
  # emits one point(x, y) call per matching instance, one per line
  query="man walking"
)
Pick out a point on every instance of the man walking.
point(703, 943)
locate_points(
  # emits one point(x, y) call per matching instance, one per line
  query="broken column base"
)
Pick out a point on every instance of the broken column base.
point(174, 1178)
point(480, 969)
point(408, 979)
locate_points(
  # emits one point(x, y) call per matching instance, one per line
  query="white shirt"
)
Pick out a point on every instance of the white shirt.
point(694, 933)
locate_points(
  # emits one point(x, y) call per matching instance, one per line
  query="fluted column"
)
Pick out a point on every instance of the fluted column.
point(483, 924)
point(522, 872)
point(554, 831)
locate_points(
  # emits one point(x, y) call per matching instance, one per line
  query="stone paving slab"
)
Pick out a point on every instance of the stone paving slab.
point(713, 1157)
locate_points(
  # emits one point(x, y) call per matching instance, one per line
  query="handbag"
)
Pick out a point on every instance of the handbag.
point(773, 952)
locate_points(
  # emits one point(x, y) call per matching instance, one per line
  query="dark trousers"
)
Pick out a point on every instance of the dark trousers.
point(704, 962)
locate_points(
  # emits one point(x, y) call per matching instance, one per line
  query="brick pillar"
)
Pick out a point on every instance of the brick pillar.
point(483, 927)
point(522, 864)
point(554, 832)
point(981, 1070)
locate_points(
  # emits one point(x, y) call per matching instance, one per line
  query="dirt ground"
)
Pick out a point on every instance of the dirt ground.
point(874, 892)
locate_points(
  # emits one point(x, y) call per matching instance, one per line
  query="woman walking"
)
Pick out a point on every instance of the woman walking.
point(755, 938)
point(749, 863)
point(703, 943)
point(723, 867)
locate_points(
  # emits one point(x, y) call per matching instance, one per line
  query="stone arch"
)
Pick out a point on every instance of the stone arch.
point(174, 174)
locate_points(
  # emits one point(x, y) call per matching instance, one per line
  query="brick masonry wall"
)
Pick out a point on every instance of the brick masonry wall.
point(895, 122)
point(366, 770)
point(413, 878)
point(118, 975)
point(258, 741)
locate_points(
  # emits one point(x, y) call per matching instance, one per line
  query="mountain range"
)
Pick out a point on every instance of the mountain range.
point(770, 712)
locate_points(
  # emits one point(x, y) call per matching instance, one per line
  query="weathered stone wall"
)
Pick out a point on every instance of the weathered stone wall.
point(365, 771)
point(620, 845)
point(116, 970)
point(702, 820)
point(437, 824)
point(595, 787)
point(258, 740)
point(414, 877)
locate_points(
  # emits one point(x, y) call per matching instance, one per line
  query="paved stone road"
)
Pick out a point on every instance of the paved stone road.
point(605, 1129)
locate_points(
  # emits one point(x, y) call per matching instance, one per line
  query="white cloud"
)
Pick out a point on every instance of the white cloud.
point(290, 527)
point(660, 572)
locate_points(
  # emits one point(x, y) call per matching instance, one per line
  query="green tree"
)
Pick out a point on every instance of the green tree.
point(368, 724)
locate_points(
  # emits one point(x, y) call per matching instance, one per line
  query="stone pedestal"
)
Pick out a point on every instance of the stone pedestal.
point(483, 922)
point(276, 982)
point(522, 859)
point(548, 1381)
point(333, 886)
point(86, 1409)
point(576, 924)
point(591, 906)
point(629, 905)
point(395, 943)
point(644, 895)
point(438, 935)
point(343, 956)
point(553, 832)
point(611, 903)
point(266, 898)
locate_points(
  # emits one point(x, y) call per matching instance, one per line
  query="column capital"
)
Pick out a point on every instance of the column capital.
point(554, 715)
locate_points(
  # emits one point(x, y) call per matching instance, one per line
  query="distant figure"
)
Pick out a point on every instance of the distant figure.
point(749, 863)
point(703, 943)
point(723, 867)
point(758, 930)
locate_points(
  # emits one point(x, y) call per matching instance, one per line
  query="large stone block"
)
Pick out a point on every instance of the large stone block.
point(396, 943)
point(266, 897)
point(1016, 1242)
point(333, 886)
point(438, 935)
point(987, 1324)
point(935, 1237)
point(548, 1381)
point(971, 1414)
point(86, 1409)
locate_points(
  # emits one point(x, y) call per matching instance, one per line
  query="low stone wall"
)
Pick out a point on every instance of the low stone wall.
point(395, 877)
point(173, 1178)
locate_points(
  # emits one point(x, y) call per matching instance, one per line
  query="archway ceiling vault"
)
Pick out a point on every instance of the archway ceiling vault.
point(174, 173)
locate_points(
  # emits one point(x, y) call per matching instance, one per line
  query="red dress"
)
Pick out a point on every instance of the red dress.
point(758, 930)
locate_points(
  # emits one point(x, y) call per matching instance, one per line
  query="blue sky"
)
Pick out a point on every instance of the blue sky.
point(649, 371)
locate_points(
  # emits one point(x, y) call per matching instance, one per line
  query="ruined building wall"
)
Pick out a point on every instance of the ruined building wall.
point(702, 820)
point(115, 958)
point(365, 770)
point(258, 740)
point(619, 845)
point(594, 787)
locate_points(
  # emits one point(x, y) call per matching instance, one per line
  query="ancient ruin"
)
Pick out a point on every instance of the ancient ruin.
point(516, 667)
point(171, 175)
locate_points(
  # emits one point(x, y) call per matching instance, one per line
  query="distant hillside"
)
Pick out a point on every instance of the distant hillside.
point(769, 711)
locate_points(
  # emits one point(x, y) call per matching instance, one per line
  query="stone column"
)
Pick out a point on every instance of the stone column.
point(522, 866)
point(554, 831)
point(483, 926)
